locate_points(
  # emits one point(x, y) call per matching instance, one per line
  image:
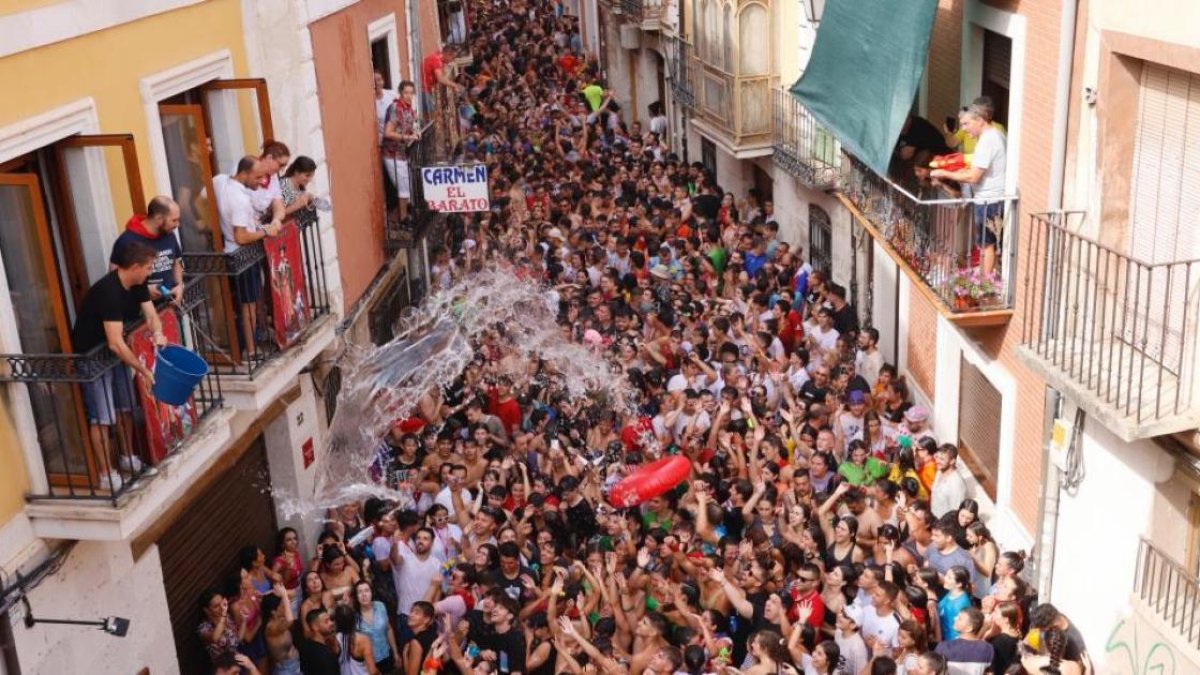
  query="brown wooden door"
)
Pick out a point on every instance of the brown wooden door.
point(200, 549)
point(189, 166)
point(66, 152)
point(43, 325)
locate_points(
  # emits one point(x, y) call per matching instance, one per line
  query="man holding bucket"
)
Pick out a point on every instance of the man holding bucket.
point(118, 297)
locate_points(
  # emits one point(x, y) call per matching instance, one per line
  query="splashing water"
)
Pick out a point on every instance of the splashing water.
point(432, 348)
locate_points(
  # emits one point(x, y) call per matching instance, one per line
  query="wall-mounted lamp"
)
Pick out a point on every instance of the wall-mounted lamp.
point(813, 9)
point(1090, 94)
point(113, 625)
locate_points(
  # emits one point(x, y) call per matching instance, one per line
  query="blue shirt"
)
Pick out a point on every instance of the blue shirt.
point(948, 608)
point(754, 263)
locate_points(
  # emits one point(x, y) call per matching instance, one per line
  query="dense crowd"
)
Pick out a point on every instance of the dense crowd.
point(822, 529)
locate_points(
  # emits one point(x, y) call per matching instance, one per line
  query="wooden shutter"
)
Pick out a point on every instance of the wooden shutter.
point(1164, 200)
point(200, 550)
point(979, 405)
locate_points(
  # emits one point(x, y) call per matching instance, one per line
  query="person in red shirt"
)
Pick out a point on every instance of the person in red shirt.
point(502, 404)
point(807, 589)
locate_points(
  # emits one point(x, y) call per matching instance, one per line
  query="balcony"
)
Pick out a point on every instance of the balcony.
point(104, 481)
point(930, 239)
point(1166, 602)
point(734, 110)
point(1116, 333)
point(679, 66)
point(645, 13)
point(269, 312)
point(802, 146)
point(421, 153)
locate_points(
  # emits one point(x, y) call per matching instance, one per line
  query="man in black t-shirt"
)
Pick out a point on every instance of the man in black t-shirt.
point(117, 298)
point(504, 645)
point(317, 657)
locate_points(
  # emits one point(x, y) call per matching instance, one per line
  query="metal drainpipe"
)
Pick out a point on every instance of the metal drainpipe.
point(1048, 507)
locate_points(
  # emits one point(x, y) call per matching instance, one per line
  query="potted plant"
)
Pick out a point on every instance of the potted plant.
point(970, 287)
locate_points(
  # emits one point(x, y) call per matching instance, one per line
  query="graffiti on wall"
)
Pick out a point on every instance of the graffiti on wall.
point(1133, 652)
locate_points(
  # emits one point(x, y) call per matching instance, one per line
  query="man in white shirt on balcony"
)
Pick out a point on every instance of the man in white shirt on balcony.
point(987, 175)
point(240, 227)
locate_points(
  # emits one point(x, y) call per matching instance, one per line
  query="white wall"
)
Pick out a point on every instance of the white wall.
point(99, 580)
point(284, 438)
point(884, 299)
point(647, 82)
point(279, 49)
point(1098, 528)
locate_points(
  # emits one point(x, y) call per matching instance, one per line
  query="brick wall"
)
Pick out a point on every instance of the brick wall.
point(945, 59)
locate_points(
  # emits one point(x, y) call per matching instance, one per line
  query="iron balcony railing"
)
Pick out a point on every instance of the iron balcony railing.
point(641, 11)
point(422, 153)
point(935, 235)
point(98, 427)
point(682, 73)
point(802, 146)
point(265, 297)
point(1122, 328)
point(1169, 590)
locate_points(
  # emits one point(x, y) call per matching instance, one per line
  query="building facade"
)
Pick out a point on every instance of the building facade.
point(109, 104)
point(1070, 390)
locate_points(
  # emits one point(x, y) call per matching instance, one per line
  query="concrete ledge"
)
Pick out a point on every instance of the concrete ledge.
point(1124, 426)
point(149, 496)
point(244, 393)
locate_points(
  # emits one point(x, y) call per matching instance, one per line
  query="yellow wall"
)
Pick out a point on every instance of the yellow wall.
point(106, 66)
point(8, 7)
point(15, 482)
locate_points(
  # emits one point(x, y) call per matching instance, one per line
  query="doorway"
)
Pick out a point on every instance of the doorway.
point(200, 549)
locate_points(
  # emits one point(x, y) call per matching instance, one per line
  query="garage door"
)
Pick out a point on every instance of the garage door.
point(200, 549)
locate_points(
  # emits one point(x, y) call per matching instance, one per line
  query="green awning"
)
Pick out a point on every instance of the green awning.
point(865, 68)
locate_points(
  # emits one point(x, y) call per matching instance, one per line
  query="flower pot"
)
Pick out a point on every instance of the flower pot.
point(963, 302)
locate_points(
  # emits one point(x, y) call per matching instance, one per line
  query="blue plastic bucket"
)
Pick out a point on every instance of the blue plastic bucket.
point(177, 371)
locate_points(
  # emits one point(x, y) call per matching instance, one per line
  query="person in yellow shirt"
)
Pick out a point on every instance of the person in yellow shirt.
point(961, 141)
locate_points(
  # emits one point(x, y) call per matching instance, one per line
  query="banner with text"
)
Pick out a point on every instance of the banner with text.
point(456, 189)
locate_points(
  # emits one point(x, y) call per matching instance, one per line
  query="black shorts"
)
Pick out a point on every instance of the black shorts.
point(249, 285)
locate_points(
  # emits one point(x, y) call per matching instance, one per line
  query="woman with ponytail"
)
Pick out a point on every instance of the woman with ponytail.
point(1051, 660)
point(770, 652)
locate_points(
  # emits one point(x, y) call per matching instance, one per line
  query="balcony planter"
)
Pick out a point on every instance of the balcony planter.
point(971, 288)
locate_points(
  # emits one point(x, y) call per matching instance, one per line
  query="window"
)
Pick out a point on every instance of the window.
point(754, 25)
point(820, 239)
point(727, 59)
point(979, 425)
point(62, 207)
point(708, 157)
point(997, 69)
point(206, 131)
point(381, 62)
point(1164, 196)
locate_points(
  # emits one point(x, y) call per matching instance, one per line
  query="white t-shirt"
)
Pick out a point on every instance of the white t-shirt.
point(885, 629)
point(444, 547)
point(679, 382)
point(868, 365)
point(381, 110)
point(991, 156)
point(443, 497)
point(412, 576)
point(233, 204)
point(854, 651)
point(261, 197)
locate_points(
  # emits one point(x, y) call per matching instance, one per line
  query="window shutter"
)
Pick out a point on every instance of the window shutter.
point(1164, 201)
point(979, 406)
point(201, 548)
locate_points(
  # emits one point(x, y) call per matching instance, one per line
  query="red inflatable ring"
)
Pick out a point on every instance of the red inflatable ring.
point(649, 481)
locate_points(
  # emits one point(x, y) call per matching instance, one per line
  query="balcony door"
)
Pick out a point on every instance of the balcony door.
point(56, 205)
point(206, 131)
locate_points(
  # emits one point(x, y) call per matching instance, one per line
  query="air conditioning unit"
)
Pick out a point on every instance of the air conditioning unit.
point(631, 37)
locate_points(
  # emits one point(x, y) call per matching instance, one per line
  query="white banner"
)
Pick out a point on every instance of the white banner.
point(456, 189)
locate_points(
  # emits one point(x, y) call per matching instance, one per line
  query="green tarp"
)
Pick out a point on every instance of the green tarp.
point(865, 68)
